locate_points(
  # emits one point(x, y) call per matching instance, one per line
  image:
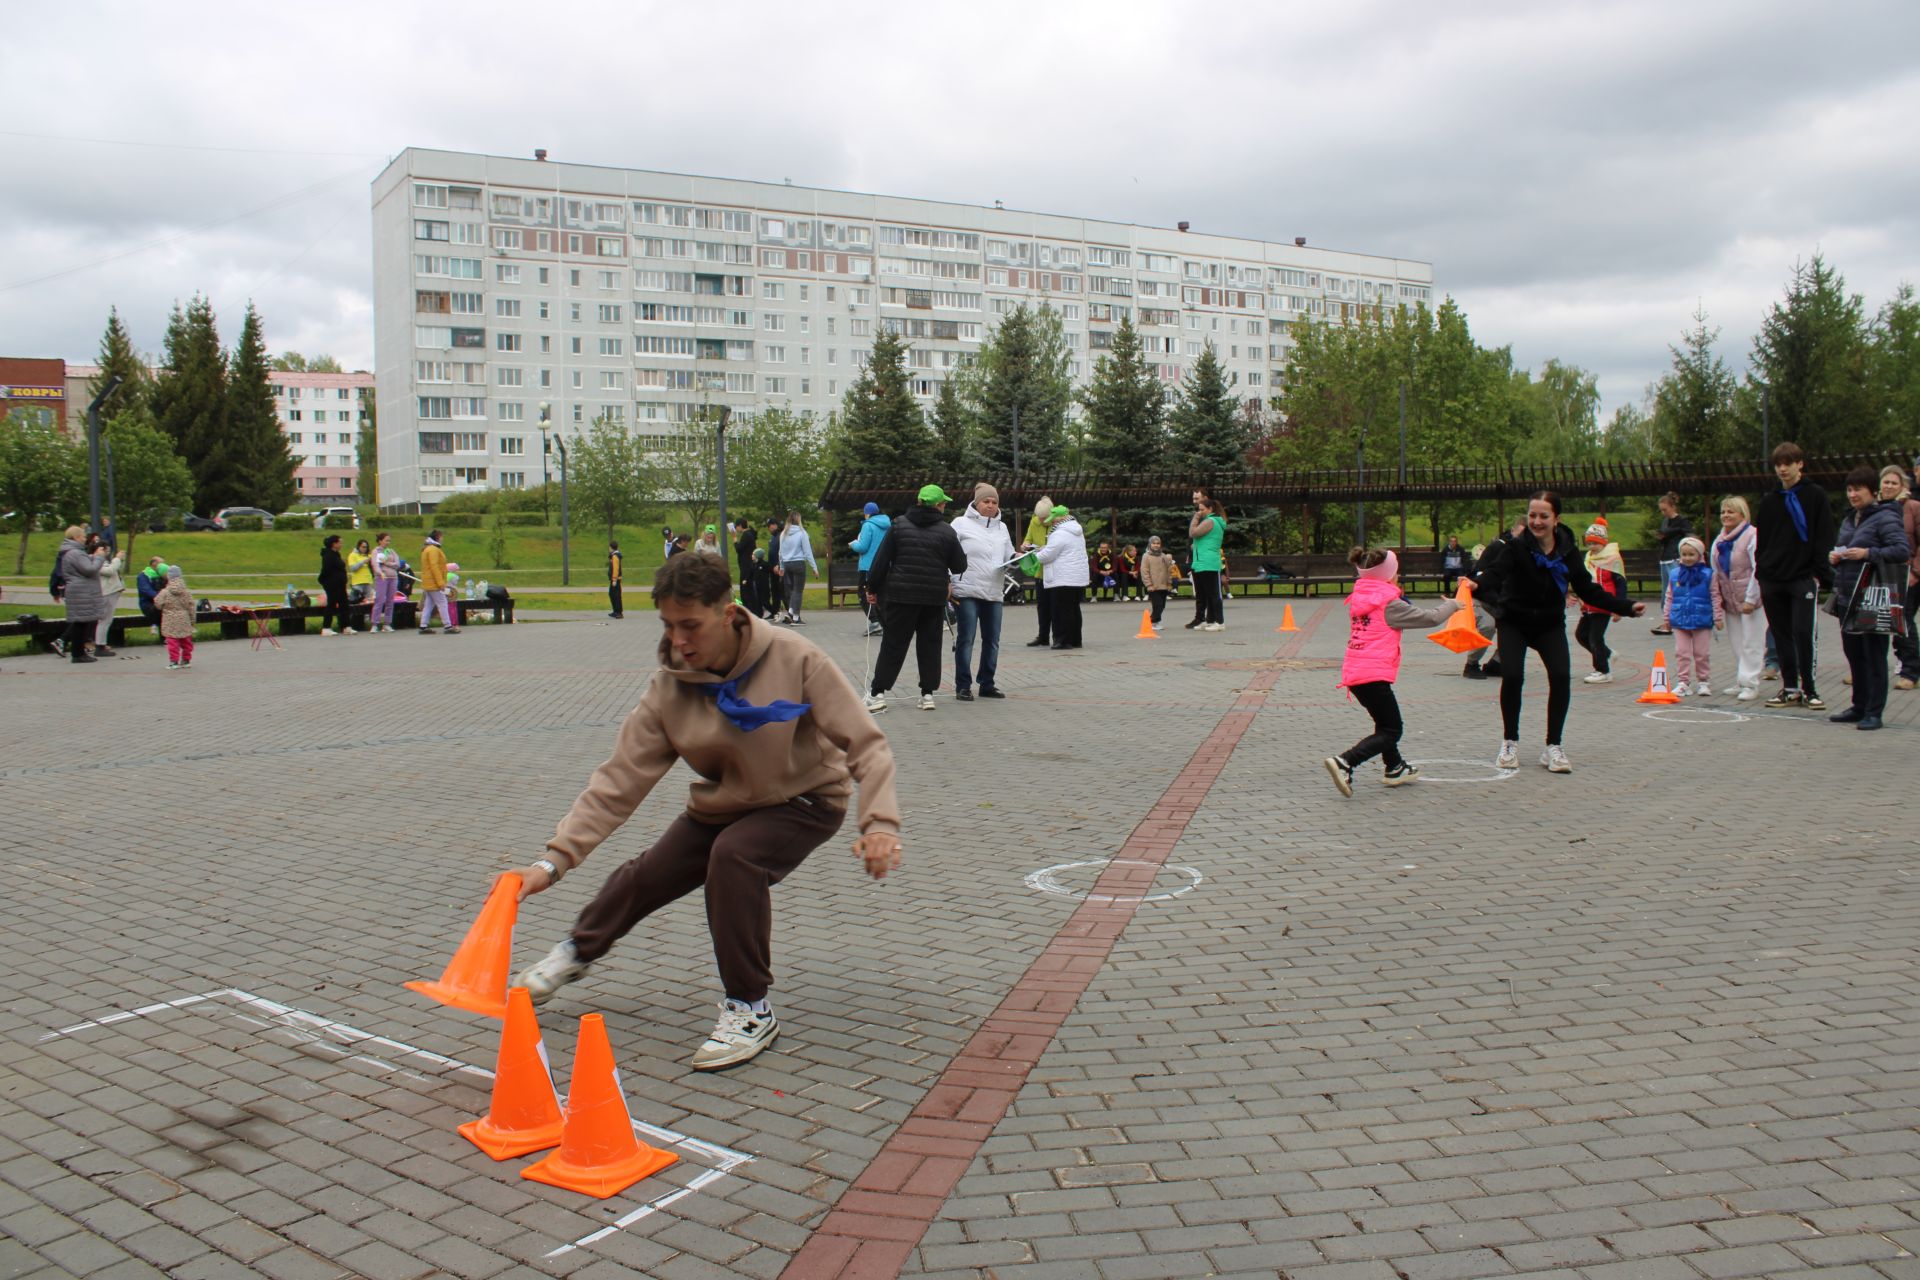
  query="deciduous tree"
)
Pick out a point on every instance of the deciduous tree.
point(41, 476)
point(150, 478)
point(609, 477)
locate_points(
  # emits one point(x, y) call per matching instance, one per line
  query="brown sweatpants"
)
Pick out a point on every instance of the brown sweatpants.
point(739, 862)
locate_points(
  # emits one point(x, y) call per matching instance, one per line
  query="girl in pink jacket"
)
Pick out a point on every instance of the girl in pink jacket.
point(1378, 613)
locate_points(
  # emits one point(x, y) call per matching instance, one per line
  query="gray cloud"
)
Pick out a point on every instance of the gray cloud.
point(1581, 176)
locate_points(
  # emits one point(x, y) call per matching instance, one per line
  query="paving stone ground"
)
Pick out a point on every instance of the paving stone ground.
point(1657, 1018)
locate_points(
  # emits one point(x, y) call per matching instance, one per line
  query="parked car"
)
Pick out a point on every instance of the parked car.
point(225, 514)
point(188, 521)
point(320, 516)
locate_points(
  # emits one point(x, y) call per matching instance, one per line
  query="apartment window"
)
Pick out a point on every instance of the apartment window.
point(573, 346)
point(436, 477)
point(513, 446)
point(506, 238)
point(432, 337)
point(573, 312)
point(545, 273)
point(776, 386)
point(606, 279)
point(511, 410)
point(806, 387)
point(468, 304)
point(773, 322)
point(469, 442)
point(546, 378)
point(294, 437)
point(506, 307)
point(505, 274)
point(577, 379)
point(429, 197)
point(513, 479)
point(612, 346)
point(425, 230)
point(573, 274)
point(470, 475)
point(508, 342)
point(613, 380)
point(546, 343)
point(436, 441)
point(469, 407)
point(609, 313)
point(610, 246)
point(774, 355)
point(775, 258)
point(510, 377)
point(773, 291)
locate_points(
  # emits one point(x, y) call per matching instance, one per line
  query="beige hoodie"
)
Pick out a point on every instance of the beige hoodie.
point(821, 753)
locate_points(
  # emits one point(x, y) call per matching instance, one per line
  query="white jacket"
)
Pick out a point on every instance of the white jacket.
point(1063, 560)
point(988, 546)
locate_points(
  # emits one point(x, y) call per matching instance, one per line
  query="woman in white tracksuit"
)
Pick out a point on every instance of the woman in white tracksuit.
point(977, 593)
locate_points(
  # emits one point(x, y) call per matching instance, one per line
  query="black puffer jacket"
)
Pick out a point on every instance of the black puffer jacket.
point(1879, 529)
point(1519, 589)
point(915, 559)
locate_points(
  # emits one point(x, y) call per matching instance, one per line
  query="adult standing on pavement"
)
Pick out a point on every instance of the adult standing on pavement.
point(1156, 577)
point(744, 541)
point(79, 564)
point(1793, 532)
point(709, 544)
point(111, 589)
point(1530, 580)
point(1673, 527)
point(616, 563)
point(775, 738)
point(433, 586)
point(978, 597)
point(1042, 604)
point(912, 574)
point(1896, 486)
point(796, 558)
point(386, 582)
point(333, 581)
point(1739, 592)
point(1871, 534)
point(1064, 562)
point(874, 524)
point(1207, 529)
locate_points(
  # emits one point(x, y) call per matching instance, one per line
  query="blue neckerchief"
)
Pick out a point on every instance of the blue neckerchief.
point(745, 716)
point(1798, 512)
point(1690, 576)
point(1555, 566)
point(1726, 550)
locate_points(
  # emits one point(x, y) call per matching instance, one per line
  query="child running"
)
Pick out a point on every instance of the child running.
point(1379, 613)
point(1694, 612)
point(1609, 573)
point(175, 603)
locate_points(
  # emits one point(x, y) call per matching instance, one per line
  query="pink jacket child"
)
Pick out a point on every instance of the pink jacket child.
point(1378, 612)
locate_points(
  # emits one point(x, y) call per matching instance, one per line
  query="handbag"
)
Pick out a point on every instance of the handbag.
point(1877, 606)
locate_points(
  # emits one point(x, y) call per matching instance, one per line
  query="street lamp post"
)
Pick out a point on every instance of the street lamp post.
point(720, 467)
point(93, 450)
point(547, 442)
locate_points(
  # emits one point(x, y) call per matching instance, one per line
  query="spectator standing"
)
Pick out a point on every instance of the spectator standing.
point(1207, 529)
point(360, 583)
point(913, 574)
point(1673, 527)
point(1793, 533)
point(1693, 610)
point(709, 544)
point(666, 543)
point(744, 542)
point(333, 581)
point(79, 566)
point(1042, 603)
point(1156, 577)
point(176, 619)
point(1872, 533)
point(386, 581)
point(1896, 486)
point(978, 598)
point(433, 586)
point(149, 583)
point(874, 524)
point(112, 588)
point(761, 604)
point(796, 558)
point(615, 564)
point(1063, 561)
point(1453, 564)
point(1739, 594)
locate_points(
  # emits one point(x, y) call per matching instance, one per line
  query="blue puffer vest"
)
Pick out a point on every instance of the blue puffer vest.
point(1691, 607)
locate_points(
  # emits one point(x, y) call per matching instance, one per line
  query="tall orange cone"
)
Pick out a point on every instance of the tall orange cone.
point(1657, 690)
point(599, 1153)
point(1458, 632)
point(1286, 620)
point(525, 1113)
point(1146, 631)
point(476, 977)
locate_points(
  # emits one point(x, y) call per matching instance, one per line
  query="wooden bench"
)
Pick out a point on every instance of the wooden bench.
point(843, 579)
point(291, 620)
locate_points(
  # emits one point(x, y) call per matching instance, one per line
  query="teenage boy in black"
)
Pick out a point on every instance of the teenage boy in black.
point(1793, 530)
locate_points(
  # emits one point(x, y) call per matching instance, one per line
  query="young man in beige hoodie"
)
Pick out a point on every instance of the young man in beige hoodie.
point(777, 737)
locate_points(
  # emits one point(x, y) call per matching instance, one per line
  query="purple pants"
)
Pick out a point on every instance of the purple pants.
point(384, 591)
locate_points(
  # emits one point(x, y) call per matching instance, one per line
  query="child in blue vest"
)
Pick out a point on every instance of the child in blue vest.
point(1694, 611)
point(1378, 614)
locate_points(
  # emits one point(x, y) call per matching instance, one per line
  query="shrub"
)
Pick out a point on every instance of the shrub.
point(377, 522)
point(478, 503)
point(458, 520)
point(245, 524)
point(337, 522)
point(524, 519)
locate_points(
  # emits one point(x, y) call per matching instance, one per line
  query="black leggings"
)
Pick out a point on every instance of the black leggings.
point(1206, 596)
point(1158, 599)
point(1590, 633)
point(1377, 697)
point(336, 611)
point(1789, 607)
point(1549, 640)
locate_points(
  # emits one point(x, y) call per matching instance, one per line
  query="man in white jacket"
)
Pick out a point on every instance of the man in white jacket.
point(1065, 575)
point(977, 594)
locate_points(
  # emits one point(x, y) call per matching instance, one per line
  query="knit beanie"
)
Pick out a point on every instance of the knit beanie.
point(1700, 548)
point(174, 574)
point(985, 490)
point(1597, 532)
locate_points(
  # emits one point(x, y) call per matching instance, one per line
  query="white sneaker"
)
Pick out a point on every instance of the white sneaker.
point(1599, 677)
point(1703, 690)
point(1509, 757)
point(1342, 774)
point(326, 631)
point(1680, 690)
point(1555, 759)
point(349, 632)
point(926, 702)
point(739, 1035)
point(553, 971)
point(876, 703)
point(1748, 695)
point(1213, 626)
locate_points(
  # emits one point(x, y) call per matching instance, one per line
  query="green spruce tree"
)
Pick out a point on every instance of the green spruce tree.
point(1205, 425)
point(190, 404)
point(1022, 378)
point(265, 461)
point(1811, 356)
point(881, 426)
point(119, 359)
point(1893, 368)
point(1693, 401)
point(952, 425)
point(1125, 413)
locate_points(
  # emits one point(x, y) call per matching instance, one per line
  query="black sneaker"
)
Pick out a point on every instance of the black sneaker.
point(1041, 643)
point(963, 695)
point(1401, 774)
point(1472, 671)
point(1342, 774)
point(1191, 625)
point(991, 693)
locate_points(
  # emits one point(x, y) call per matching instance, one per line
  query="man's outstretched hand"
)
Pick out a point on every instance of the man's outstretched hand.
point(880, 850)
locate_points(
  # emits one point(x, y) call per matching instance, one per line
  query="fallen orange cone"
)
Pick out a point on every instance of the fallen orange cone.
point(1657, 690)
point(525, 1113)
point(476, 977)
point(1458, 632)
point(1286, 620)
point(599, 1153)
point(1146, 631)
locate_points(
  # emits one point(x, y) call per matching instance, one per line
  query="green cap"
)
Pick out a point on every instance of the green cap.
point(932, 493)
point(711, 529)
point(1058, 513)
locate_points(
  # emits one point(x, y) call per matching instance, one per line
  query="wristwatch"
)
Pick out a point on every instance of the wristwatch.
point(547, 865)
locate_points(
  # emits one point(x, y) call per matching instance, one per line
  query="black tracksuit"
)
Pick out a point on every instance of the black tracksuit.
point(1791, 572)
point(910, 575)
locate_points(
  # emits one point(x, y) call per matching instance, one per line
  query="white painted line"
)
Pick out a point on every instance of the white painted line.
point(1695, 715)
point(1494, 771)
point(1045, 881)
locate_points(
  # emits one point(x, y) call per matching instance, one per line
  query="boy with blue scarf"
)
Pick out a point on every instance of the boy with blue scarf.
point(776, 737)
point(1794, 531)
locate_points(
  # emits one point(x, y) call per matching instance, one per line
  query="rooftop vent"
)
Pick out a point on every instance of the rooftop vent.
point(1299, 242)
point(540, 153)
point(1183, 225)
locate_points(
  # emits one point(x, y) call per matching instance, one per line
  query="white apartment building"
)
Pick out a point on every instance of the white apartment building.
point(502, 285)
point(321, 415)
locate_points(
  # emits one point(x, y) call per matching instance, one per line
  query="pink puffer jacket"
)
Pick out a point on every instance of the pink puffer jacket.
point(1737, 587)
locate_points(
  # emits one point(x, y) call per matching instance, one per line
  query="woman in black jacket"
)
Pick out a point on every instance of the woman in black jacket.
point(333, 580)
point(1872, 531)
point(1526, 587)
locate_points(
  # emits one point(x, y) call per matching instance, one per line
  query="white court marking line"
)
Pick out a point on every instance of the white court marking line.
point(1043, 880)
point(1687, 715)
point(1498, 774)
point(725, 1159)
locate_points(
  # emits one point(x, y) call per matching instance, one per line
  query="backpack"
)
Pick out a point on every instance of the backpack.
point(57, 580)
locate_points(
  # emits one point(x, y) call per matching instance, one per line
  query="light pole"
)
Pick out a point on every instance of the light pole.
point(546, 478)
point(720, 467)
point(93, 450)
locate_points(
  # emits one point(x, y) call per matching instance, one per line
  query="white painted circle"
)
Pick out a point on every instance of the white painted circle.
point(1046, 882)
point(1494, 772)
point(1695, 715)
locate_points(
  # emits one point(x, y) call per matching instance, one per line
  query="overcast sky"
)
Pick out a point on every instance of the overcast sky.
point(1581, 176)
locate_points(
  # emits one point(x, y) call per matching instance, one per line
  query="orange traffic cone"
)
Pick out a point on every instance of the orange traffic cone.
point(1458, 632)
point(1146, 631)
point(525, 1114)
point(476, 977)
point(1286, 620)
point(599, 1154)
point(1657, 690)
